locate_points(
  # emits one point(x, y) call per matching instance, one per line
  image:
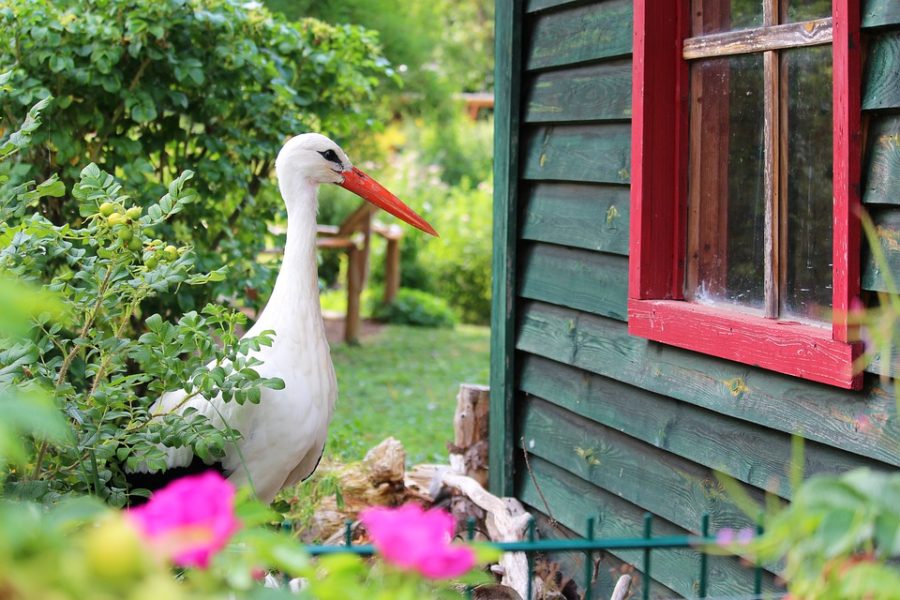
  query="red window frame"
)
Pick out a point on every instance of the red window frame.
point(659, 155)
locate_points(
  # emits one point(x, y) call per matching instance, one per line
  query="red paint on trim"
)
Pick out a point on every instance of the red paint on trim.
point(658, 149)
point(847, 162)
point(659, 153)
point(789, 347)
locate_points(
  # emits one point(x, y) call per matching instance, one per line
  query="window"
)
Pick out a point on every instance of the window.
point(745, 181)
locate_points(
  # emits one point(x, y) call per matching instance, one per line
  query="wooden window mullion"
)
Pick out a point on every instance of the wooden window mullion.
point(771, 174)
point(772, 120)
point(660, 151)
point(782, 207)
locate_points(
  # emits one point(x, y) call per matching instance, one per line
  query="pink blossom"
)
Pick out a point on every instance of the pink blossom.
point(417, 540)
point(190, 519)
point(728, 536)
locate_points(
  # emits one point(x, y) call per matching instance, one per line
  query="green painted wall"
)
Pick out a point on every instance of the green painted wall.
point(611, 425)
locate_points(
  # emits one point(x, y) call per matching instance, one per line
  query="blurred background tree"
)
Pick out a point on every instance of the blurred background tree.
point(149, 88)
point(433, 155)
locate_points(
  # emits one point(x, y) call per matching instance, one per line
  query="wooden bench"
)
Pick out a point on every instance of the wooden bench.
point(353, 236)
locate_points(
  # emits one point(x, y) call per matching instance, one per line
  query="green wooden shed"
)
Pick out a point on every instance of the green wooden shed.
point(627, 365)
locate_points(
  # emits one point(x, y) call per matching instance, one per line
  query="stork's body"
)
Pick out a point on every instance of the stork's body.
point(283, 436)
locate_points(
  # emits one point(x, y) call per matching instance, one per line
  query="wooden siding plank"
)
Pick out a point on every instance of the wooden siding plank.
point(538, 5)
point(881, 84)
point(580, 279)
point(573, 499)
point(883, 175)
point(591, 93)
point(878, 13)
point(862, 423)
point(579, 34)
point(745, 451)
point(607, 568)
point(587, 153)
point(887, 365)
point(673, 488)
point(887, 226)
point(593, 217)
point(507, 75)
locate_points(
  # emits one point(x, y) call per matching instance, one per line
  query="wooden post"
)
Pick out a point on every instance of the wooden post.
point(366, 230)
point(357, 272)
point(469, 451)
point(355, 275)
point(391, 269)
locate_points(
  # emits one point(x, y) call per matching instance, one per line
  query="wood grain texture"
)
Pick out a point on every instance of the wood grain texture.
point(539, 5)
point(847, 165)
point(879, 13)
point(886, 363)
point(579, 34)
point(592, 93)
point(887, 226)
point(660, 90)
point(743, 41)
point(572, 499)
point(862, 423)
point(588, 153)
point(747, 452)
point(790, 347)
point(607, 568)
point(666, 485)
point(593, 217)
point(507, 75)
point(881, 83)
point(775, 140)
point(882, 184)
point(589, 281)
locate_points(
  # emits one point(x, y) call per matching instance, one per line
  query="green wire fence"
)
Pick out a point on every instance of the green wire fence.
point(589, 545)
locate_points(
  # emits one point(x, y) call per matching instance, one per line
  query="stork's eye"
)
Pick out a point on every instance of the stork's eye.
point(332, 156)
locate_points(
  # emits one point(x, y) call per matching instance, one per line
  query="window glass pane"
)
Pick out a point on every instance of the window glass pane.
point(712, 16)
point(804, 10)
point(807, 74)
point(726, 220)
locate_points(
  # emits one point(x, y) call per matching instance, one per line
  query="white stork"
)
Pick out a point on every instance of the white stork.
point(283, 436)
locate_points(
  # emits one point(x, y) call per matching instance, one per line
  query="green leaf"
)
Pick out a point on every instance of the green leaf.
point(53, 187)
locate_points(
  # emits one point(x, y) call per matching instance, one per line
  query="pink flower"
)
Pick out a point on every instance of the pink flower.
point(190, 519)
point(417, 540)
point(728, 536)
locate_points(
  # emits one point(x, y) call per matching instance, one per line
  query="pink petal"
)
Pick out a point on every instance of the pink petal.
point(413, 539)
point(451, 561)
point(725, 536)
point(190, 519)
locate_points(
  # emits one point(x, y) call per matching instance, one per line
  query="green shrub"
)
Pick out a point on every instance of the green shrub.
point(86, 356)
point(457, 265)
point(146, 89)
point(415, 307)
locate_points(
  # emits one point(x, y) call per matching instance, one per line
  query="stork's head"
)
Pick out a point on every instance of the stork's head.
point(314, 157)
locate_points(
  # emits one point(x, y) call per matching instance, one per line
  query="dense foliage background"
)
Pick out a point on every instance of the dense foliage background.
point(150, 88)
point(137, 186)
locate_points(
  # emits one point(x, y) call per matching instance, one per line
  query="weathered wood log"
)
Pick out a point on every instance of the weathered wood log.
point(623, 585)
point(377, 480)
point(469, 450)
point(505, 521)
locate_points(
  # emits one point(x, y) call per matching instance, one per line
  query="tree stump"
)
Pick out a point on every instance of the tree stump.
point(469, 450)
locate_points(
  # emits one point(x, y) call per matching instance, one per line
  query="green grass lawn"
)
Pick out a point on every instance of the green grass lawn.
point(403, 382)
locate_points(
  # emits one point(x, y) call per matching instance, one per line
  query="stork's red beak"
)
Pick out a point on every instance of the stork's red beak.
point(370, 190)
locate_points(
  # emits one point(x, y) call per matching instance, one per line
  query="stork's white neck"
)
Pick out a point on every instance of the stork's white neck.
point(293, 310)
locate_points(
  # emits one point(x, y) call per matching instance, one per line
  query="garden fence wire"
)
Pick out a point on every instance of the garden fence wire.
point(590, 545)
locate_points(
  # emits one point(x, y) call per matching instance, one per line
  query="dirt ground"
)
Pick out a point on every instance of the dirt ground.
point(334, 328)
